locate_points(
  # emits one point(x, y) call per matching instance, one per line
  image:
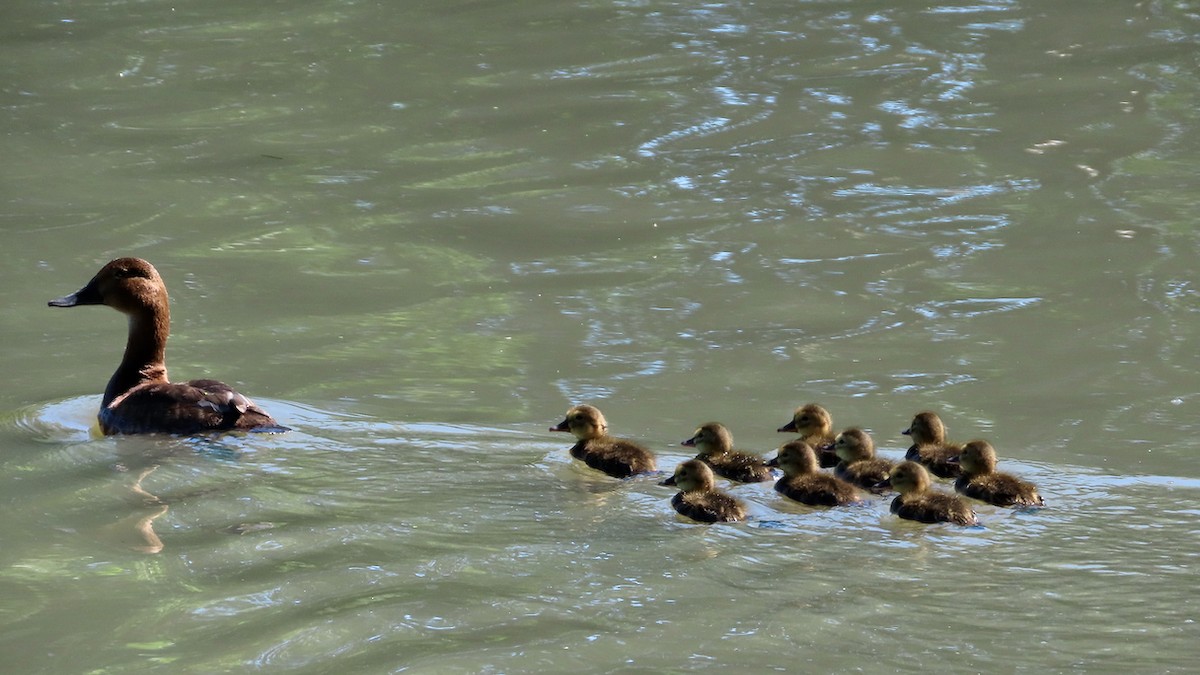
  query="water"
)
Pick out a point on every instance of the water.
point(417, 232)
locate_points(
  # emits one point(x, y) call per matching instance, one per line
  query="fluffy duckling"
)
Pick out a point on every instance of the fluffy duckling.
point(859, 464)
point(930, 446)
point(918, 501)
point(815, 426)
point(614, 456)
point(980, 480)
point(803, 481)
point(714, 444)
point(699, 498)
point(139, 399)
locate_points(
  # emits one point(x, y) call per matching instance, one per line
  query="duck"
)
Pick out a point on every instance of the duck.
point(616, 457)
point(803, 481)
point(930, 446)
point(920, 502)
point(698, 497)
point(980, 480)
point(715, 446)
point(139, 399)
point(859, 464)
point(815, 426)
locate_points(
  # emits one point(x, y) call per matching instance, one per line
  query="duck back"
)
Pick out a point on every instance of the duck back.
point(184, 408)
point(817, 489)
point(937, 458)
point(614, 456)
point(709, 506)
point(865, 473)
point(934, 507)
point(742, 467)
point(999, 489)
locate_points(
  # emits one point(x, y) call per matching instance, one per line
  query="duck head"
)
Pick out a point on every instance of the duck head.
point(129, 285)
point(853, 445)
point(908, 477)
point(711, 439)
point(691, 476)
point(809, 419)
point(584, 421)
point(926, 429)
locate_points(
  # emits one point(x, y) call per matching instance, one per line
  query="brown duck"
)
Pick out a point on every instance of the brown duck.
point(918, 501)
point(815, 426)
point(859, 464)
point(614, 456)
point(980, 480)
point(139, 399)
point(714, 445)
point(699, 498)
point(930, 446)
point(803, 481)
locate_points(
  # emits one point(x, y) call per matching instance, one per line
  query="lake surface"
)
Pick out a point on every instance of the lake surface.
point(416, 232)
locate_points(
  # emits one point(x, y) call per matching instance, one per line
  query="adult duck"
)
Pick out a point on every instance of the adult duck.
point(139, 399)
point(714, 446)
point(698, 497)
point(930, 446)
point(815, 426)
point(859, 464)
point(920, 502)
point(803, 481)
point(980, 480)
point(616, 457)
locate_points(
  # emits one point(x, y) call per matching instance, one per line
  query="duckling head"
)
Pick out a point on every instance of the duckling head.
point(926, 429)
point(853, 445)
point(809, 419)
point(908, 477)
point(584, 421)
point(691, 476)
point(796, 459)
point(977, 457)
point(711, 439)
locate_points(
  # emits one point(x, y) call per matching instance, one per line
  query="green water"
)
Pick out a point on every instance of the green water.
point(416, 232)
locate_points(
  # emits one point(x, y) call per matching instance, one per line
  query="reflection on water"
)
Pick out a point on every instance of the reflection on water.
point(375, 538)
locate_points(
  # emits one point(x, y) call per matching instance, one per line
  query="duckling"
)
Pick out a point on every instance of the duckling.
point(139, 399)
point(930, 446)
point(715, 446)
point(614, 456)
point(803, 481)
point(918, 501)
point(859, 464)
point(980, 480)
point(699, 498)
point(815, 426)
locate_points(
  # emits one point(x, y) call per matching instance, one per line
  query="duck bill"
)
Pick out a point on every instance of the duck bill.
point(907, 432)
point(773, 462)
point(691, 443)
point(88, 295)
point(562, 426)
point(669, 481)
point(787, 428)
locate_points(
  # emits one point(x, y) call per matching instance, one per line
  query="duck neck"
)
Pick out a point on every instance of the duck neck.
point(145, 354)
